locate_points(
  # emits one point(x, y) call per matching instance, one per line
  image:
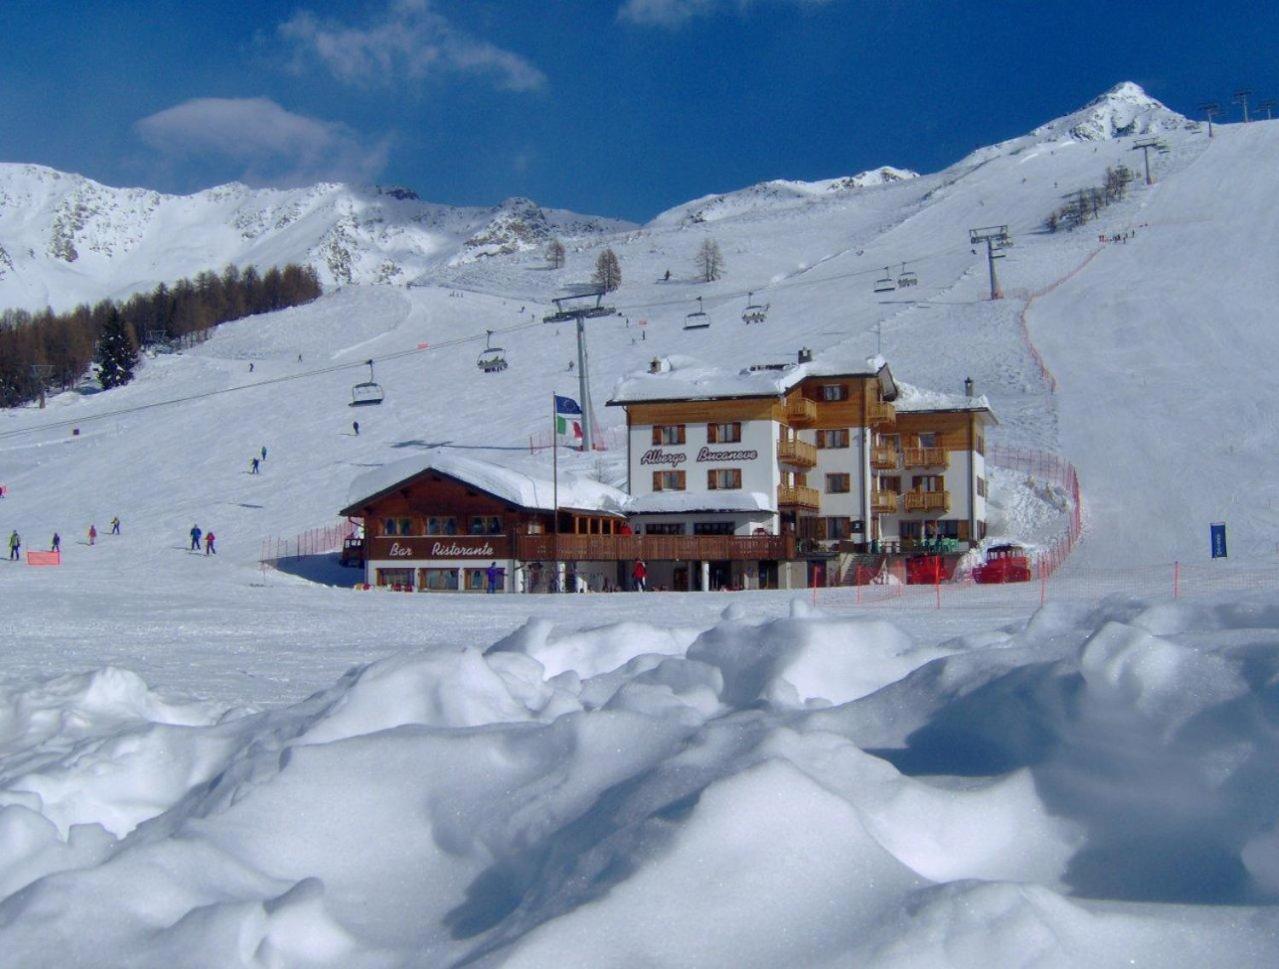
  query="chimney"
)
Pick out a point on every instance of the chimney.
point(805, 355)
point(968, 386)
point(655, 366)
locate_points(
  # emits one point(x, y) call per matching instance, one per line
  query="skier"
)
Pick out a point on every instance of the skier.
point(56, 544)
point(115, 525)
point(250, 368)
point(15, 546)
point(639, 574)
point(195, 538)
point(254, 466)
point(208, 544)
point(667, 277)
point(93, 534)
point(355, 426)
point(263, 452)
point(493, 573)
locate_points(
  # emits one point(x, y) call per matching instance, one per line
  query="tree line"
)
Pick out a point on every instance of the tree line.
point(1087, 203)
point(53, 351)
point(709, 262)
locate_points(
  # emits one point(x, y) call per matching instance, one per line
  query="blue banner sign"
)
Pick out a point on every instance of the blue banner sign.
point(1217, 530)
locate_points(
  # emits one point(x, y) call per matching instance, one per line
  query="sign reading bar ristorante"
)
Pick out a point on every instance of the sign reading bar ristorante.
point(676, 458)
point(439, 547)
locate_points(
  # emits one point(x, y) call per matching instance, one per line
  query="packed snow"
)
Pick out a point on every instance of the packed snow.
point(204, 762)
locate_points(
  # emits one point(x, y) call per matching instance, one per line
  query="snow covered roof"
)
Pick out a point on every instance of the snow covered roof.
point(680, 377)
point(917, 400)
point(501, 481)
point(671, 502)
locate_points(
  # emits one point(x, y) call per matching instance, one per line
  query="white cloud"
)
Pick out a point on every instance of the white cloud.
point(409, 41)
point(262, 142)
point(674, 13)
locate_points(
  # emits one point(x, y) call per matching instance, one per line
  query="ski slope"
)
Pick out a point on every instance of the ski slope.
point(202, 763)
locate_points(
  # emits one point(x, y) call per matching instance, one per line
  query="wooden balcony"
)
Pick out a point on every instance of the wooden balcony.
point(924, 457)
point(878, 412)
point(797, 454)
point(883, 458)
point(798, 496)
point(884, 502)
point(800, 410)
point(928, 501)
point(654, 548)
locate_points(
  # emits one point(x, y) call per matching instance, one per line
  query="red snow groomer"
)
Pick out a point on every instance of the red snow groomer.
point(1004, 563)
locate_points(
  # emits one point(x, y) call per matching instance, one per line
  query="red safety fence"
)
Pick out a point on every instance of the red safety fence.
point(1024, 326)
point(44, 558)
point(314, 541)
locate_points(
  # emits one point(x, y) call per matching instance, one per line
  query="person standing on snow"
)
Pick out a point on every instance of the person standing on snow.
point(208, 544)
point(639, 574)
point(253, 466)
point(15, 546)
point(195, 538)
point(56, 544)
point(93, 534)
point(263, 452)
point(493, 573)
point(355, 426)
point(115, 525)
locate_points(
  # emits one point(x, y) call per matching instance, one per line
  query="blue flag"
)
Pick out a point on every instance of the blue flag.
point(1217, 532)
point(566, 405)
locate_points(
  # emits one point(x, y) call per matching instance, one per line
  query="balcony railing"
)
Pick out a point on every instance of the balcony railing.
point(654, 548)
point(884, 502)
point(878, 412)
point(797, 453)
point(798, 495)
point(883, 458)
point(924, 457)
point(928, 501)
point(800, 410)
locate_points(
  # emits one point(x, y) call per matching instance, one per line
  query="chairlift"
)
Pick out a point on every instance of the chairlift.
point(754, 312)
point(698, 320)
point(368, 392)
point(491, 359)
point(906, 278)
point(886, 284)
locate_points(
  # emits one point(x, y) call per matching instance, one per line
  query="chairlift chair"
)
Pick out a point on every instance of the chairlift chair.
point(885, 284)
point(368, 392)
point(698, 320)
point(906, 278)
point(491, 359)
point(754, 312)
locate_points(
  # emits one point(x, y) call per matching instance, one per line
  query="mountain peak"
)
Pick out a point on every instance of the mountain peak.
point(1123, 111)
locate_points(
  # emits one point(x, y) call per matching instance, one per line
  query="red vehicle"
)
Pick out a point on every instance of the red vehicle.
point(1004, 563)
point(928, 569)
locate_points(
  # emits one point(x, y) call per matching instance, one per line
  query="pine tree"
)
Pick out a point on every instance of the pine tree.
point(555, 254)
point(117, 353)
point(608, 271)
point(710, 261)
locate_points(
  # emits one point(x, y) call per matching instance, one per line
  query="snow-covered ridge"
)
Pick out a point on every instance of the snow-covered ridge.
point(65, 238)
point(1123, 111)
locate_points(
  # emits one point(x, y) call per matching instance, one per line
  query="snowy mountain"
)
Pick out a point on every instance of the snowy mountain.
point(1124, 111)
point(66, 239)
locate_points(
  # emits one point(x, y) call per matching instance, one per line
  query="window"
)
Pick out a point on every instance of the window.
point(730, 433)
point(891, 482)
point(441, 525)
point(475, 580)
point(397, 526)
point(668, 480)
point(980, 445)
point(836, 528)
point(664, 528)
point(834, 391)
point(928, 483)
point(403, 578)
point(712, 528)
point(668, 433)
point(928, 439)
point(838, 484)
point(486, 525)
point(833, 439)
point(438, 580)
point(981, 487)
point(723, 479)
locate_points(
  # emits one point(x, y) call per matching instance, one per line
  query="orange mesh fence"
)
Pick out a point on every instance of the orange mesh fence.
point(314, 541)
point(44, 558)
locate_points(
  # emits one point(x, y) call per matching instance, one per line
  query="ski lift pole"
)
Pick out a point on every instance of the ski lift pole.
point(584, 387)
point(555, 490)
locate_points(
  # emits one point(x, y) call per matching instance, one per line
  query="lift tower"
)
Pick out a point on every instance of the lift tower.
point(581, 303)
point(996, 237)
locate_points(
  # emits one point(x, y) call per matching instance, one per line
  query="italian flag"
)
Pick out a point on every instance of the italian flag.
point(568, 417)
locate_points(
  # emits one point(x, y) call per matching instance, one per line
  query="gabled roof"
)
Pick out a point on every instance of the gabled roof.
point(515, 487)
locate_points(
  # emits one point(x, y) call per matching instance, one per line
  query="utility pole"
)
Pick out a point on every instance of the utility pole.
point(1144, 147)
point(996, 237)
point(1241, 97)
point(1211, 109)
point(577, 306)
point(1267, 106)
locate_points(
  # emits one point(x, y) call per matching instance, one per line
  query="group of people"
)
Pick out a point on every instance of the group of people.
point(209, 539)
point(55, 543)
point(256, 463)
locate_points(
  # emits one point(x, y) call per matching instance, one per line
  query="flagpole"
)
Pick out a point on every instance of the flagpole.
point(555, 492)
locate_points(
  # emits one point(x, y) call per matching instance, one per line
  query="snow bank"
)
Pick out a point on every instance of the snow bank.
point(808, 790)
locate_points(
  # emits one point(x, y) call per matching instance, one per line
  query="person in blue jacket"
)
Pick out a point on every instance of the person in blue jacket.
point(195, 538)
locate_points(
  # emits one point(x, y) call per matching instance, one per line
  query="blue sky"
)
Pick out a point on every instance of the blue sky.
point(613, 107)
